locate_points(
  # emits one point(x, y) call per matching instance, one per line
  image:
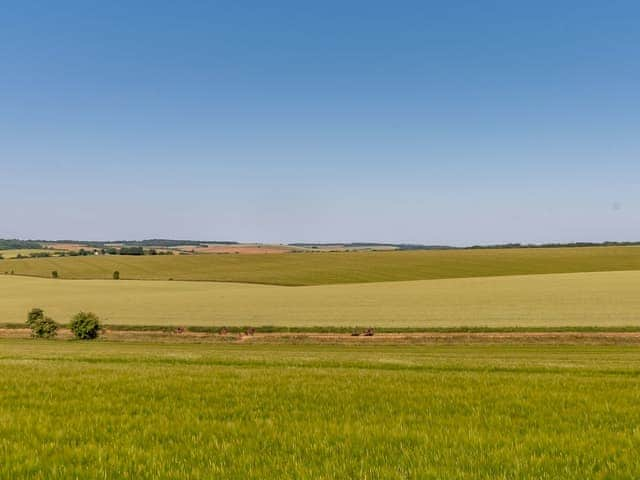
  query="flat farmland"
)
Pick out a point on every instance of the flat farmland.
point(606, 299)
point(335, 267)
point(117, 410)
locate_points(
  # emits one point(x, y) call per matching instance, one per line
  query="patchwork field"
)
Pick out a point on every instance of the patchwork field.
point(337, 267)
point(243, 249)
point(162, 405)
point(113, 410)
point(579, 299)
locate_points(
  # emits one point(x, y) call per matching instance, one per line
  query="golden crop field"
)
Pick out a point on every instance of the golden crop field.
point(579, 299)
point(336, 267)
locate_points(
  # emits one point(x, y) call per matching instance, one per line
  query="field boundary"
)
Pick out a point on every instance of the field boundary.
point(216, 329)
point(569, 336)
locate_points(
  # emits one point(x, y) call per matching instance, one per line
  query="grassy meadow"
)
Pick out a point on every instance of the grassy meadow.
point(13, 253)
point(335, 267)
point(114, 410)
point(605, 299)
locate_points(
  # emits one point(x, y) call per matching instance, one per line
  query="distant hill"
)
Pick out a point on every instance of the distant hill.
point(14, 244)
point(11, 244)
point(373, 245)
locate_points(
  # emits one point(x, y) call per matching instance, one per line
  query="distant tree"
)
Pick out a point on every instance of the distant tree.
point(131, 251)
point(85, 326)
point(54, 274)
point(10, 244)
point(116, 275)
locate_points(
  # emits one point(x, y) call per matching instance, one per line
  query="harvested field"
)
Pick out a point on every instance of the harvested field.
point(240, 249)
point(67, 246)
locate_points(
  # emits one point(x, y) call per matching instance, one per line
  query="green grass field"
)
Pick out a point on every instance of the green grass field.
point(339, 267)
point(9, 254)
point(603, 299)
point(109, 410)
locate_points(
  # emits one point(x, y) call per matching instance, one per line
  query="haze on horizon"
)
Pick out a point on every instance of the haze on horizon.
point(452, 123)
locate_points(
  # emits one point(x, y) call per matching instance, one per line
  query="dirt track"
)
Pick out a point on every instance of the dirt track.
point(584, 338)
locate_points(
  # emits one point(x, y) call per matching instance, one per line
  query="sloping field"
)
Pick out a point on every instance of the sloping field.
point(579, 299)
point(144, 411)
point(339, 267)
point(13, 253)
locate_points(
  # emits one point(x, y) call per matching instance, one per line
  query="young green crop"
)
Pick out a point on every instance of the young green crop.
point(73, 410)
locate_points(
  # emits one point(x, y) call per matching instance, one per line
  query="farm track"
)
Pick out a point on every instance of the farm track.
point(419, 338)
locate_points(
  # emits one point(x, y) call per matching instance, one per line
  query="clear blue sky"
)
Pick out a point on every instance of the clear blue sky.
point(430, 122)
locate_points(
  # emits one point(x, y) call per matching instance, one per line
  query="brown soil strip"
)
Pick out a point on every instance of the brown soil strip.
point(560, 338)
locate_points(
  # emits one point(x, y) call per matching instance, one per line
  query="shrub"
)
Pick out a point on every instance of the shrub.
point(41, 326)
point(34, 315)
point(116, 275)
point(45, 328)
point(85, 326)
point(54, 274)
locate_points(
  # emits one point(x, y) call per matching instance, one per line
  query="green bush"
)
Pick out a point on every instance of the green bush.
point(54, 274)
point(85, 326)
point(35, 315)
point(45, 328)
point(116, 275)
point(40, 325)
